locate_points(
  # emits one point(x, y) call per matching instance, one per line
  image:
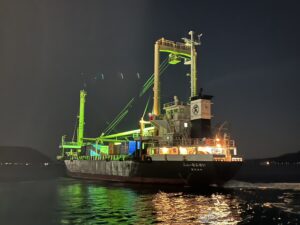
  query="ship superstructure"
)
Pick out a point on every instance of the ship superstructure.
point(175, 145)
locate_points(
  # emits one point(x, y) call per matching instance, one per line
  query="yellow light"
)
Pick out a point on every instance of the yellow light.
point(182, 150)
point(165, 150)
point(117, 143)
point(200, 148)
point(208, 149)
point(218, 145)
point(217, 139)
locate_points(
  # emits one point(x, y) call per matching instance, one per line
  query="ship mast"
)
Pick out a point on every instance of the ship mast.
point(156, 85)
point(193, 61)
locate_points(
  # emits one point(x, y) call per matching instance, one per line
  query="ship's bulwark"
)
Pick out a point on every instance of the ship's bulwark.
point(155, 172)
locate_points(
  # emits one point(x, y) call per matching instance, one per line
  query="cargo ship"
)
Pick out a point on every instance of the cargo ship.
point(175, 144)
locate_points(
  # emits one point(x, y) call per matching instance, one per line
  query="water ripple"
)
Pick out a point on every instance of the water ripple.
point(71, 202)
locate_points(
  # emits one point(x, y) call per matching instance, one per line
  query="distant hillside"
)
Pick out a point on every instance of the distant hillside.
point(289, 157)
point(22, 154)
point(284, 168)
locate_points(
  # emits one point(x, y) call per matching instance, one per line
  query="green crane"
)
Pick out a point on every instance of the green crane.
point(80, 129)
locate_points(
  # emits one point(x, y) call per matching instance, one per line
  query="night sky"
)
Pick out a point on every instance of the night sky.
point(249, 60)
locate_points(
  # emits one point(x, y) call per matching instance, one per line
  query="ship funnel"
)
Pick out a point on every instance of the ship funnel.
point(201, 116)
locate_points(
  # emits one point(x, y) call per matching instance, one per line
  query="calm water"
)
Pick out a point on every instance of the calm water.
point(69, 201)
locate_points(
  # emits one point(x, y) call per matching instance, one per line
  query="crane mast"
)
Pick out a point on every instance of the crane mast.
point(177, 51)
point(80, 130)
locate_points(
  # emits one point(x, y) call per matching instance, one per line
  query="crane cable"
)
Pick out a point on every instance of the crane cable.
point(163, 66)
point(75, 127)
point(118, 118)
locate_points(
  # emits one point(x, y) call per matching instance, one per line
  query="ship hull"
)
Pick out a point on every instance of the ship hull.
point(189, 173)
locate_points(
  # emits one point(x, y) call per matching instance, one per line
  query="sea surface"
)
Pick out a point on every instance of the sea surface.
point(70, 201)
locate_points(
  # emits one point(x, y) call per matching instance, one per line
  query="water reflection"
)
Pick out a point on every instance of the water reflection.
point(68, 201)
point(192, 209)
point(95, 204)
point(91, 203)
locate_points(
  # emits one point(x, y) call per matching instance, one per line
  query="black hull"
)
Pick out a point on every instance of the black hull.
point(197, 173)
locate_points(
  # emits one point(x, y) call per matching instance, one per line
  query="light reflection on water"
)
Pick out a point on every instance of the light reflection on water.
point(95, 203)
point(69, 201)
point(92, 203)
point(189, 209)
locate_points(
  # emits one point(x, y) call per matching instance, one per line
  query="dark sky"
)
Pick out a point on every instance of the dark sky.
point(249, 60)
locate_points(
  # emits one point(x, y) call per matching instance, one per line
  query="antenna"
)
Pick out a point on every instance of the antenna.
point(199, 36)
